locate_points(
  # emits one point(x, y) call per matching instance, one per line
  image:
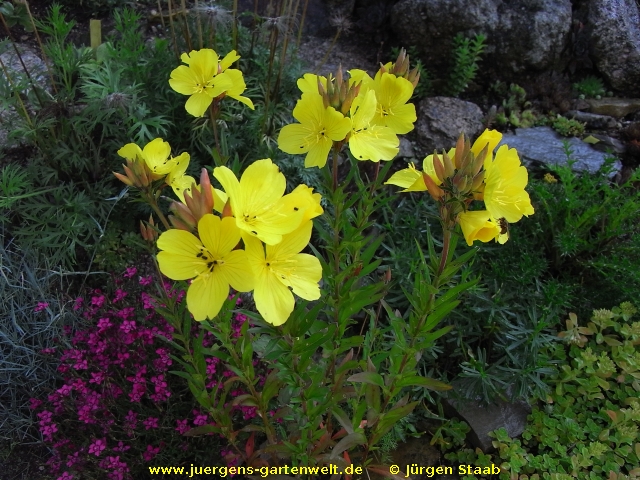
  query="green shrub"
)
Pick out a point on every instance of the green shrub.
point(590, 87)
point(466, 54)
point(567, 127)
point(587, 427)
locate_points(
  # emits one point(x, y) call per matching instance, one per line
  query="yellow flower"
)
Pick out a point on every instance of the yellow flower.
point(489, 138)
point(237, 87)
point(476, 225)
point(319, 127)
point(177, 180)
point(412, 180)
point(368, 141)
point(155, 154)
point(199, 79)
point(505, 179)
point(282, 270)
point(258, 204)
point(392, 94)
point(211, 261)
point(309, 83)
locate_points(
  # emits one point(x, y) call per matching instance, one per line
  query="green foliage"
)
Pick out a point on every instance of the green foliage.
point(567, 127)
point(25, 371)
point(425, 86)
point(590, 87)
point(466, 56)
point(515, 110)
point(587, 427)
point(15, 13)
point(587, 226)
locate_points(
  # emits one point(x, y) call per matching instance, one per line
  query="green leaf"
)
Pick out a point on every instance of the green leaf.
point(367, 377)
point(202, 430)
point(343, 419)
point(418, 381)
point(350, 441)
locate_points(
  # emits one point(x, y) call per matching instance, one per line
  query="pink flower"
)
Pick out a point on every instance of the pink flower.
point(128, 326)
point(98, 446)
point(120, 294)
point(131, 271)
point(183, 426)
point(149, 423)
point(150, 453)
point(97, 301)
point(65, 476)
point(77, 305)
point(146, 281)
point(121, 447)
point(41, 306)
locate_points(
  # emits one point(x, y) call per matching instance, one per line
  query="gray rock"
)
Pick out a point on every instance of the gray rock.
point(416, 451)
point(484, 419)
point(521, 34)
point(615, 42)
point(614, 107)
point(593, 120)
point(543, 146)
point(608, 143)
point(348, 55)
point(442, 119)
point(406, 148)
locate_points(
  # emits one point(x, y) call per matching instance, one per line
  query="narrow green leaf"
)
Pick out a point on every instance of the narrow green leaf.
point(367, 377)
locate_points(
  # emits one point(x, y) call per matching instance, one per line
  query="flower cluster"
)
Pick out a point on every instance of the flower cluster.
point(116, 403)
point(154, 162)
point(274, 229)
point(365, 113)
point(468, 173)
point(206, 78)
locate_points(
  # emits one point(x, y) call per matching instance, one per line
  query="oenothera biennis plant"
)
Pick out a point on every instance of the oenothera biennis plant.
point(341, 364)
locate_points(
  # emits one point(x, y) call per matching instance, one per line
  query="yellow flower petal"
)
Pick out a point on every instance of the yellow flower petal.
point(229, 59)
point(182, 184)
point(178, 258)
point(130, 151)
point(237, 87)
point(476, 226)
point(273, 299)
point(220, 236)
point(206, 295)
point(488, 137)
point(505, 181)
point(198, 103)
point(410, 179)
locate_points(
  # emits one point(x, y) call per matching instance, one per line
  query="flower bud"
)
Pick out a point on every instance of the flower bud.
point(449, 171)
point(435, 191)
point(183, 217)
point(438, 167)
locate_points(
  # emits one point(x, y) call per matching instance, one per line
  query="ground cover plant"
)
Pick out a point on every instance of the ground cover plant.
point(295, 332)
point(586, 426)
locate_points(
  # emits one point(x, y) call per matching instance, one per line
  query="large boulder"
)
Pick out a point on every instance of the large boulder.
point(521, 34)
point(615, 42)
point(442, 119)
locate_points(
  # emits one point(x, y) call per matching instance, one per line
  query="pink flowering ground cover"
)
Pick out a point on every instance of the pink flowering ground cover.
point(118, 408)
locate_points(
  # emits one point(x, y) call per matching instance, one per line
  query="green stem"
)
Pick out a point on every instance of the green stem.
point(154, 205)
point(214, 110)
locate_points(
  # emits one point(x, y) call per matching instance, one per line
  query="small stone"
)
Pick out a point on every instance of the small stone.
point(614, 107)
point(512, 416)
point(593, 120)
